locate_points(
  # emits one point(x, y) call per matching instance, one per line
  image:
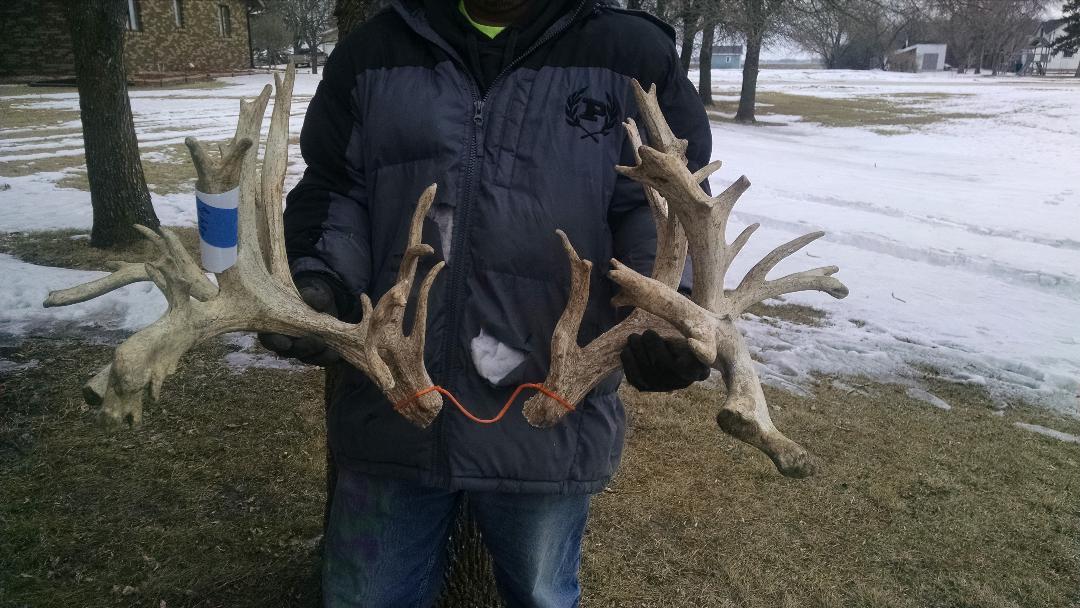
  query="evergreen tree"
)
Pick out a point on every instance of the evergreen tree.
point(1070, 42)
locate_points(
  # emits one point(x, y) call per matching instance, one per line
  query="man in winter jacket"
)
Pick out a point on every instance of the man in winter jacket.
point(515, 108)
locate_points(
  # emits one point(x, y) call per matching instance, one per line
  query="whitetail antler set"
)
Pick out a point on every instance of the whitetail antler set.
point(257, 293)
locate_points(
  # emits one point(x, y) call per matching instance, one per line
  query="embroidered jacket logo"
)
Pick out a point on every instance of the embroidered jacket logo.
point(592, 116)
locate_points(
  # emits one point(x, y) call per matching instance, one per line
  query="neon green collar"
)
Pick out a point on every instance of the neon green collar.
point(490, 31)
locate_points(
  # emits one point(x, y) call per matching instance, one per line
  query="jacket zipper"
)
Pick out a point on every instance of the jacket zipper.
point(457, 274)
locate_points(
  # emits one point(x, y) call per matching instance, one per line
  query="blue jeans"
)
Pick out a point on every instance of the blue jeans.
point(387, 540)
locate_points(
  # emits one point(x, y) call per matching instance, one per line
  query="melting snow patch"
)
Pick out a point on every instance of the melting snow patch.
point(928, 397)
point(10, 367)
point(954, 261)
point(251, 356)
point(25, 286)
point(1042, 430)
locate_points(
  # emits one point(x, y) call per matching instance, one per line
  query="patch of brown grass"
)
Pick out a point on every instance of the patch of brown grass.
point(915, 507)
point(887, 113)
point(169, 172)
point(69, 248)
point(18, 114)
point(196, 85)
point(792, 313)
point(49, 164)
point(169, 175)
point(217, 500)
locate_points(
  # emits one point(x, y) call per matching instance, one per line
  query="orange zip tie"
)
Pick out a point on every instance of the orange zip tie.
point(506, 406)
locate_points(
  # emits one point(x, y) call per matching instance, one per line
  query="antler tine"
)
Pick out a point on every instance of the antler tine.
point(707, 321)
point(817, 279)
point(126, 273)
point(656, 202)
point(387, 344)
point(541, 410)
point(418, 335)
point(660, 134)
point(221, 173)
point(275, 165)
point(754, 288)
point(249, 218)
point(577, 370)
point(256, 293)
point(416, 248)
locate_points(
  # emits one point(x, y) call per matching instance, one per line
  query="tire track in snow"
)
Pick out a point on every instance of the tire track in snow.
point(1014, 235)
point(1043, 281)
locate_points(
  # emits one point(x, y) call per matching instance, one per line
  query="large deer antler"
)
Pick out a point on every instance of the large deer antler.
point(257, 292)
point(707, 318)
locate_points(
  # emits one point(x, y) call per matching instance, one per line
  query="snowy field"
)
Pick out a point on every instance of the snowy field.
point(959, 240)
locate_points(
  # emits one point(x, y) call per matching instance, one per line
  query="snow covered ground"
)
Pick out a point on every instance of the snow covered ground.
point(959, 240)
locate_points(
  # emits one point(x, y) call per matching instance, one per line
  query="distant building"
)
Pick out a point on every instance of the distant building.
point(727, 57)
point(792, 63)
point(1041, 59)
point(919, 58)
point(330, 40)
point(163, 37)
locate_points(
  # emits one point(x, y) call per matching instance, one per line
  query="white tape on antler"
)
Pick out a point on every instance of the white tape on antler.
point(218, 233)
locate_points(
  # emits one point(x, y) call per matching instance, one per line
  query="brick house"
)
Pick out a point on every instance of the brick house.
point(163, 37)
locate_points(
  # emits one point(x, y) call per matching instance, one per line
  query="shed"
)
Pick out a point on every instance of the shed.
point(727, 57)
point(919, 58)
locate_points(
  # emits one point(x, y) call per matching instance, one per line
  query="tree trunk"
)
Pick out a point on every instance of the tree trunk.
point(705, 64)
point(118, 190)
point(469, 579)
point(351, 13)
point(314, 58)
point(661, 8)
point(748, 95)
point(333, 377)
point(686, 53)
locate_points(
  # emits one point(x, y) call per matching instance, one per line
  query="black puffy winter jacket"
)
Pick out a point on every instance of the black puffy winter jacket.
point(399, 109)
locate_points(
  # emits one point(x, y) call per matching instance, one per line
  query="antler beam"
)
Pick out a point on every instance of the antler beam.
point(576, 370)
point(707, 318)
point(687, 217)
point(257, 293)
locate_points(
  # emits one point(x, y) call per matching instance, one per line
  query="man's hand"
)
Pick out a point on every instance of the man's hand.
point(319, 294)
point(653, 364)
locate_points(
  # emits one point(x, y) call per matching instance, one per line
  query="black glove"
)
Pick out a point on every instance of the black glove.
point(320, 294)
point(653, 364)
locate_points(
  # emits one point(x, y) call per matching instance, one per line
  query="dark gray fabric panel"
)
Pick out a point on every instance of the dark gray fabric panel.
point(540, 156)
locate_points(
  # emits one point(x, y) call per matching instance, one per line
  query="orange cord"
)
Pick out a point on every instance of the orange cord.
point(506, 406)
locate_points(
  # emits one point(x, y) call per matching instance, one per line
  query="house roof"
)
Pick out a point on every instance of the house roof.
point(915, 46)
point(1051, 25)
point(1045, 34)
point(727, 50)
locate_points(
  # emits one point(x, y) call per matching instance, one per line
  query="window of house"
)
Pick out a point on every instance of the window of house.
point(178, 12)
point(224, 20)
point(133, 22)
